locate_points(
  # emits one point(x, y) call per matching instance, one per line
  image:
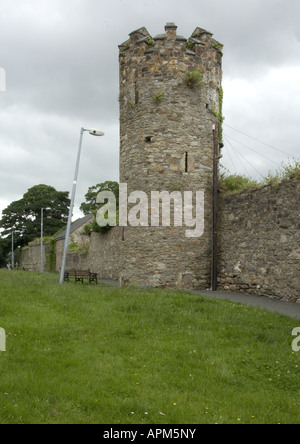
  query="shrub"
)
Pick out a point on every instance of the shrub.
point(291, 170)
point(158, 98)
point(235, 183)
point(286, 172)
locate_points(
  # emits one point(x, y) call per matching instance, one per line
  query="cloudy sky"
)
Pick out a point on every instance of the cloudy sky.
point(61, 63)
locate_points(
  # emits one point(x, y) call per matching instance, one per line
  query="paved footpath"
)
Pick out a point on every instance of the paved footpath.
point(286, 308)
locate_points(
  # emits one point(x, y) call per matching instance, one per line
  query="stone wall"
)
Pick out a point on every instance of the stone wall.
point(259, 240)
point(165, 258)
point(30, 257)
point(102, 257)
point(259, 248)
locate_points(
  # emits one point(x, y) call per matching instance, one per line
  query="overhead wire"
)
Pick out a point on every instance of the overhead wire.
point(240, 155)
point(229, 155)
point(251, 149)
point(263, 143)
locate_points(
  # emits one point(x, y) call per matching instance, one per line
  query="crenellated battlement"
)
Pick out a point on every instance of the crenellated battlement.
point(142, 42)
point(171, 56)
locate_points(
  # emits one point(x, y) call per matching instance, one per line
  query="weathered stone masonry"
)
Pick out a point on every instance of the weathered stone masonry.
point(259, 245)
point(30, 258)
point(166, 143)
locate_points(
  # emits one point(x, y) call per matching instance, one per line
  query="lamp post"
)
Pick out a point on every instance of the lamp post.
point(12, 249)
point(42, 240)
point(93, 132)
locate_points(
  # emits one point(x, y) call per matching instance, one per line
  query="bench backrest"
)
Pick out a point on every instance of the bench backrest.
point(70, 272)
point(82, 273)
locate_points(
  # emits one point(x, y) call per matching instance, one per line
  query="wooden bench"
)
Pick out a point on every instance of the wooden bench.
point(80, 275)
point(69, 274)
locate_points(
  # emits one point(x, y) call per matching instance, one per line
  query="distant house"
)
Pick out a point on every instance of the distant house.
point(77, 230)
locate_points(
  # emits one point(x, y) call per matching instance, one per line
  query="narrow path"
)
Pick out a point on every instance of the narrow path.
point(285, 308)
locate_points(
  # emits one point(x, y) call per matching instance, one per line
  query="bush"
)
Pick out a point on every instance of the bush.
point(236, 183)
point(286, 172)
point(291, 170)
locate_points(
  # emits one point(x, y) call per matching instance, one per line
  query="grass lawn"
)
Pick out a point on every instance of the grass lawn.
point(86, 354)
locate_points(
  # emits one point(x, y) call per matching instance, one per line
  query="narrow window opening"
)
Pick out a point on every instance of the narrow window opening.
point(123, 234)
point(186, 161)
point(137, 98)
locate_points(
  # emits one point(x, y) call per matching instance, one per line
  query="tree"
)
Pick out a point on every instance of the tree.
point(90, 205)
point(24, 216)
point(5, 248)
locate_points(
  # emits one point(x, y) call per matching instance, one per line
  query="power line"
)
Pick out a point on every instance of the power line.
point(228, 151)
point(246, 146)
point(237, 155)
point(240, 155)
point(259, 141)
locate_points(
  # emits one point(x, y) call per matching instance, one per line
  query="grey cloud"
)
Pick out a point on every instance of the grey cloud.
point(61, 60)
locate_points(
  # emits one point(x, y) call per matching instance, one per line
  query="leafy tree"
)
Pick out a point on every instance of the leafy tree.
point(24, 215)
point(90, 205)
point(5, 248)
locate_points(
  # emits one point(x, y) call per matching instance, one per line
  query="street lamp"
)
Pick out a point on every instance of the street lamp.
point(12, 249)
point(93, 132)
point(42, 239)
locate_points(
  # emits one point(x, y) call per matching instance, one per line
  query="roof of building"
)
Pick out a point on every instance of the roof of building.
point(75, 225)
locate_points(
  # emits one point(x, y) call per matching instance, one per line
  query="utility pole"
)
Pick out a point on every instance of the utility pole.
point(93, 132)
point(214, 272)
point(42, 240)
point(12, 249)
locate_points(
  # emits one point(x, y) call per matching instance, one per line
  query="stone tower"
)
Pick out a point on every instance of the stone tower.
point(170, 100)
